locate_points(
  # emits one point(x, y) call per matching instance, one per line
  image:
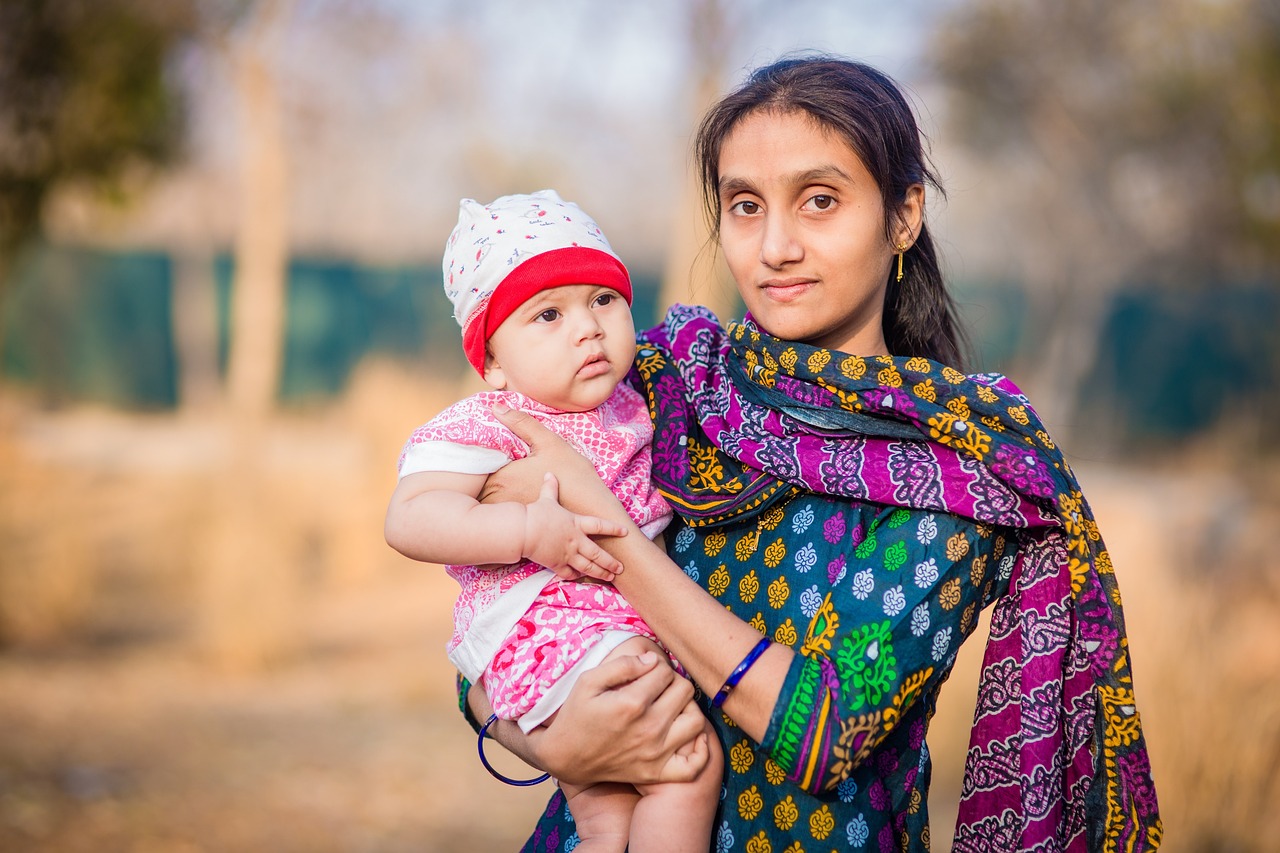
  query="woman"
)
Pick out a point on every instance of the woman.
point(844, 492)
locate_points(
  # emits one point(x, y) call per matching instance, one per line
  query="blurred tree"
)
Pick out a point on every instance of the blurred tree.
point(1122, 143)
point(84, 95)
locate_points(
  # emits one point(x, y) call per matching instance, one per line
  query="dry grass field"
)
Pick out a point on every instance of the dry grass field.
point(205, 644)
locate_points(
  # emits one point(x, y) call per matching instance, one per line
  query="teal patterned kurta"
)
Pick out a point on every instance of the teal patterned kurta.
point(875, 601)
point(929, 495)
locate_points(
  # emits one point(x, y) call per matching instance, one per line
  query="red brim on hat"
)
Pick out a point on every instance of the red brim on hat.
point(570, 265)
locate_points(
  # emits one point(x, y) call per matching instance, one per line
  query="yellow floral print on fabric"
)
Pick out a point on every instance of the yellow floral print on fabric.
point(957, 547)
point(779, 592)
point(746, 546)
point(714, 544)
point(822, 629)
point(771, 519)
point(786, 813)
point(906, 695)
point(748, 587)
point(706, 472)
point(718, 583)
point(925, 391)
point(993, 423)
point(786, 633)
point(889, 376)
point(959, 406)
point(769, 361)
point(757, 622)
point(818, 360)
point(858, 736)
point(978, 569)
point(741, 757)
point(794, 847)
point(775, 554)
point(789, 359)
point(1019, 414)
point(966, 619)
point(949, 595)
point(759, 844)
point(853, 367)
point(918, 365)
point(952, 375)
point(848, 399)
point(986, 395)
point(916, 800)
point(750, 803)
point(821, 823)
point(649, 360)
point(773, 772)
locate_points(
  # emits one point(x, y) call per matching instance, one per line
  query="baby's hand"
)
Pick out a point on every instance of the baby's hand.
point(561, 540)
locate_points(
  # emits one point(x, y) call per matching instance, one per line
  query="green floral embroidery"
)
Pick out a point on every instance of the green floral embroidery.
point(799, 712)
point(867, 665)
point(895, 555)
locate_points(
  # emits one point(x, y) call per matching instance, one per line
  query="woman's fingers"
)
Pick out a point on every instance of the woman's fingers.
point(525, 426)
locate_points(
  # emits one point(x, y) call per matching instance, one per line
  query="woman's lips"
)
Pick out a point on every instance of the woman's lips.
point(787, 289)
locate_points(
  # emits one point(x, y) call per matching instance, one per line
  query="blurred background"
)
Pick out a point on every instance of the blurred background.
point(221, 315)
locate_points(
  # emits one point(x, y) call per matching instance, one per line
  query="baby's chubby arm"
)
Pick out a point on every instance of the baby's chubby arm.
point(434, 517)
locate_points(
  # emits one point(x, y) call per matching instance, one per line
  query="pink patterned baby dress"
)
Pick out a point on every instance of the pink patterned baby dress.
point(519, 630)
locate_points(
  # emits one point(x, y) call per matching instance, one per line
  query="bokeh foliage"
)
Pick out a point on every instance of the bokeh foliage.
point(85, 92)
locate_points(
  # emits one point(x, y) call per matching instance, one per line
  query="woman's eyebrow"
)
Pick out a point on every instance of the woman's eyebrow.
point(828, 174)
point(731, 186)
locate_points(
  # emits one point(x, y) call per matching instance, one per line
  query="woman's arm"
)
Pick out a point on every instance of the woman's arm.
point(434, 516)
point(707, 639)
point(622, 722)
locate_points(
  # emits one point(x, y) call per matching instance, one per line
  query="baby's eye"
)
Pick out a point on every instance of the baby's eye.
point(606, 298)
point(548, 316)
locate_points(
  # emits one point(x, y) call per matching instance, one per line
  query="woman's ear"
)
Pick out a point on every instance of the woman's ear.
point(906, 226)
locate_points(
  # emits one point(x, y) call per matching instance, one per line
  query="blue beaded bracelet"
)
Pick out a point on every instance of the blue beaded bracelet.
point(487, 766)
point(741, 670)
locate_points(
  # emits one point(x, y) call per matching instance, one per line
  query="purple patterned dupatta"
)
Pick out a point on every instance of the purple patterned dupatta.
point(1056, 759)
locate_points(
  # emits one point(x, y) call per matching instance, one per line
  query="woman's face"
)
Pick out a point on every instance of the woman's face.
point(802, 230)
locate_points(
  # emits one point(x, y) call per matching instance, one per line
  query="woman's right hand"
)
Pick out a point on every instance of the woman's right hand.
point(626, 720)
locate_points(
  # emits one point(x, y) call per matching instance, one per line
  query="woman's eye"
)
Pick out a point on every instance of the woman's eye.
point(750, 208)
point(822, 202)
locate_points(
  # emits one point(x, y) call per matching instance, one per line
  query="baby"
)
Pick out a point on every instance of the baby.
point(544, 305)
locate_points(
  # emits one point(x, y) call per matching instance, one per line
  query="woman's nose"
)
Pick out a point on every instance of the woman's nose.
point(779, 244)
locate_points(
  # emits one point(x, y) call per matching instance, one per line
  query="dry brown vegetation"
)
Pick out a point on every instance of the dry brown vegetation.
point(208, 647)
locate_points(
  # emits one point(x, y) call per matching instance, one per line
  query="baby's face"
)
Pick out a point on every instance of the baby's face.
point(567, 347)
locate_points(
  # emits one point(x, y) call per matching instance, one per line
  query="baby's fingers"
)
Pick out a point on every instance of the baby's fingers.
point(596, 526)
point(595, 562)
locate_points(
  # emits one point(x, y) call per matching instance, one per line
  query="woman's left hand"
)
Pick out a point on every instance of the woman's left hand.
point(581, 490)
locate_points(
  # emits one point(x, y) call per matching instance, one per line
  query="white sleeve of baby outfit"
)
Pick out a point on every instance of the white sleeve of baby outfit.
point(451, 457)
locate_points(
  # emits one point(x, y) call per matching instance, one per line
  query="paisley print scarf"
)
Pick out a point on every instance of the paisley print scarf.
point(1057, 760)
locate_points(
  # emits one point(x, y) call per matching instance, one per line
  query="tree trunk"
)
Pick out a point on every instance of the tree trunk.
point(694, 272)
point(261, 252)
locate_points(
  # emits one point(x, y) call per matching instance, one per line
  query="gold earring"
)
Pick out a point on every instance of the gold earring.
point(902, 248)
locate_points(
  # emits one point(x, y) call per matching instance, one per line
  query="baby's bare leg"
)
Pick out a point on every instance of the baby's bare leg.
point(602, 815)
point(674, 817)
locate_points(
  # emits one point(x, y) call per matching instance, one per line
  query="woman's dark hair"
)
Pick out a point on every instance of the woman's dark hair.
point(865, 107)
